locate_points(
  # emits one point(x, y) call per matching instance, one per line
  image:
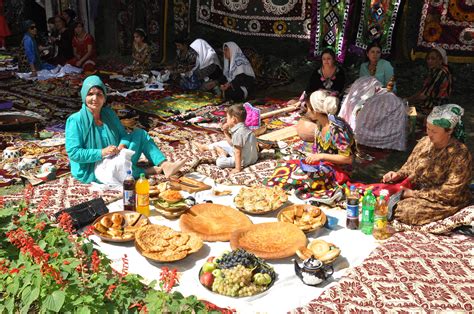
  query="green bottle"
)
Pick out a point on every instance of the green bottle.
point(368, 208)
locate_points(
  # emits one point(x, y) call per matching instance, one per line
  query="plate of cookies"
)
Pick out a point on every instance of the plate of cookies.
point(119, 226)
point(163, 244)
point(307, 217)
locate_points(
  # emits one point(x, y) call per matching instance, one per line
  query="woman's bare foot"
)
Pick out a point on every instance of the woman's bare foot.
point(202, 148)
point(220, 152)
point(170, 168)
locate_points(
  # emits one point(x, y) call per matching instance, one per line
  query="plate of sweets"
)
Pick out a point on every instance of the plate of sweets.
point(307, 217)
point(260, 200)
point(237, 274)
point(119, 226)
point(320, 249)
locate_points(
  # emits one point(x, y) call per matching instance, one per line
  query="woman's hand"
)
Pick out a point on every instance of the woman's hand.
point(225, 86)
point(391, 176)
point(110, 151)
point(313, 158)
point(121, 146)
point(407, 193)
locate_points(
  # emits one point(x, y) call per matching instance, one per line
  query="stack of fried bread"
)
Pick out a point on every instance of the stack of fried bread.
point(160, 243)
point(119, 226)
point(260, 200)
point(320, 249)
point(306, 217)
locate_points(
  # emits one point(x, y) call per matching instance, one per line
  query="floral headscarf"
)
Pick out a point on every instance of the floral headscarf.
point(449, 117)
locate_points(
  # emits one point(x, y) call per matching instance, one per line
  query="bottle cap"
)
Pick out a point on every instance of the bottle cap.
point(142, 176)
point(381, 196)
point(384, 192)
point(353, 187)
point(129, 171)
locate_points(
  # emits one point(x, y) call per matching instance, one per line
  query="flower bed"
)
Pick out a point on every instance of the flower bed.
point(48, 268)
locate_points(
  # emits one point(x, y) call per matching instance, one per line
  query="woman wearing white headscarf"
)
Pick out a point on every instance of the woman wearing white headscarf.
point(439, 169)
point(238, 81)
point(332, 150)
point(437, 86)
point(207, 69)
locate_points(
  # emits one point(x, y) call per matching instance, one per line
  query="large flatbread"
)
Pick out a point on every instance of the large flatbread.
point(271, 240)
point(213, 222)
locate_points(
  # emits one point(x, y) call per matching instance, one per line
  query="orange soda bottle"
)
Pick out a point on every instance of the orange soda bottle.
point(142, 190)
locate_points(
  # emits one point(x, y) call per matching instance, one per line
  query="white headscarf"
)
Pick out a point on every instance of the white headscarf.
point(237, 64)
point(443, 54)
point(206, 54)
point(446, 116)
point(322, 101)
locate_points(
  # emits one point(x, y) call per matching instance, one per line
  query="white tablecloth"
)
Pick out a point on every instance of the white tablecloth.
point(287, 293)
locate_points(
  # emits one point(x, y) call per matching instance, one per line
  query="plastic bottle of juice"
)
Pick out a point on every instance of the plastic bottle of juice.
point(368, 208)
point(129, 192)
point(380, 219)
point(142, 190)
point(352, 221)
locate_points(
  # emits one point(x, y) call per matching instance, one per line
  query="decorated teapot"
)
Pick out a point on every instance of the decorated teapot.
point(313, 272)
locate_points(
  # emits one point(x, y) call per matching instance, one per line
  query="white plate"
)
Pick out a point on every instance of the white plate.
point(55, 141)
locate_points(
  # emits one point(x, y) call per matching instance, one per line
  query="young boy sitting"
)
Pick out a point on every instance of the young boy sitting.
point(239, 150)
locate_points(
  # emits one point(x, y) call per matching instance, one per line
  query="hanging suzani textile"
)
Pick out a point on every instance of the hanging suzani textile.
point(377, 23)
point(181, 11)
point(449, 24)
point(330, 22)
point(272, 18)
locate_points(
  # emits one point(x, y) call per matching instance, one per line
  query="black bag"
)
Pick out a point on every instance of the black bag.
point(85, 213)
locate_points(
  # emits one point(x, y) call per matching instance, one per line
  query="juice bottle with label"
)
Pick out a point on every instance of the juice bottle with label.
point(129, 192)
point(142, 190)
point(380, 231)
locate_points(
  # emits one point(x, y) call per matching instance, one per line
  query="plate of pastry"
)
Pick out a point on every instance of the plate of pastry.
point(119, 226)
point(260, 200)
point(306, 217)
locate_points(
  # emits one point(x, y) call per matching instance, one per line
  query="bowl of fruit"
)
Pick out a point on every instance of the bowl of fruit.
point(237, 274)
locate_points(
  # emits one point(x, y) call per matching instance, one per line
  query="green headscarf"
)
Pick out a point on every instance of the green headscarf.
point(89, 82)
point(449, 117)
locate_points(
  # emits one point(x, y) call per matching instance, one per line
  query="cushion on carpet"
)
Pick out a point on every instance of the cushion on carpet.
point(464, 217)
point(411, 273)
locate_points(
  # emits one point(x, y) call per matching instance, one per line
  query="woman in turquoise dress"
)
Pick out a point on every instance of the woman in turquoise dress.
point(381, 69)
point(95, 133)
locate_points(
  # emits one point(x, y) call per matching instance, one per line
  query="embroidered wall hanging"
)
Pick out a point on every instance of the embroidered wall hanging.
point(377, 23)
point(272, 18)
point(449, 24)
point(181, 12)
point(330, 20)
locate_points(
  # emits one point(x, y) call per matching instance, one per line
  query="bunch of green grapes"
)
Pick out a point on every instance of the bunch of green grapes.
point(236, 281)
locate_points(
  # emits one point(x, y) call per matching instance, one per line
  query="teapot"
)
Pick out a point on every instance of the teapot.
point(313, 272)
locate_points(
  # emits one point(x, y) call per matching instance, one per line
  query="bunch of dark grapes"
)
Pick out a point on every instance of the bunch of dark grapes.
point(246, 259)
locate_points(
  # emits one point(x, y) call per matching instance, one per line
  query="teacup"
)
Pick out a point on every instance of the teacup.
point(28, 162)
point(11, 152)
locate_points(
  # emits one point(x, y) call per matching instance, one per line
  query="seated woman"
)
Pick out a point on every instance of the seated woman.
point(377, 116)
point(329, 76)
point(206, 71)
point(332, 150)
point(381, 69)
point(437, 86)
point(96, 132)
point(84, 49)
point(185, 59)
point(29, 58)
point(64, 42)
point(439, 169)
point(141, 54)
point(238, 81)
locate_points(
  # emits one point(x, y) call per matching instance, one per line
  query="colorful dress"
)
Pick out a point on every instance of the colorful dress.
point(338, 140)
point(440, 178)
point(81, 47)
point(437, 88)
point(141, 60)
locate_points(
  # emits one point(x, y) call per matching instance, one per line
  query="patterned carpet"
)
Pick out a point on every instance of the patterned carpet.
point(410, 273)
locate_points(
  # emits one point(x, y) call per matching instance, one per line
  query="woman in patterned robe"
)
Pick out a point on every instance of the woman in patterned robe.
point(439, 169)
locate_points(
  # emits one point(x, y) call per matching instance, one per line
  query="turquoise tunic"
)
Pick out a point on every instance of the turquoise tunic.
point(85, 140)
point(383, 73)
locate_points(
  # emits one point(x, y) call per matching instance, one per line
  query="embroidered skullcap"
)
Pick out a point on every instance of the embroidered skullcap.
point(443, 54)
point(448, 117)
point(322, 101)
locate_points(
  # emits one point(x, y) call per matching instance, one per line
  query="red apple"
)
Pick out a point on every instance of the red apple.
point(211, 259)
point(207, 279)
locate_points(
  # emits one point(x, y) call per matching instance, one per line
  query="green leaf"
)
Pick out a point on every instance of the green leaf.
point(10, 305)
point(14, 287)
point(83, 310)
point(29, 295)
point(54, 302)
